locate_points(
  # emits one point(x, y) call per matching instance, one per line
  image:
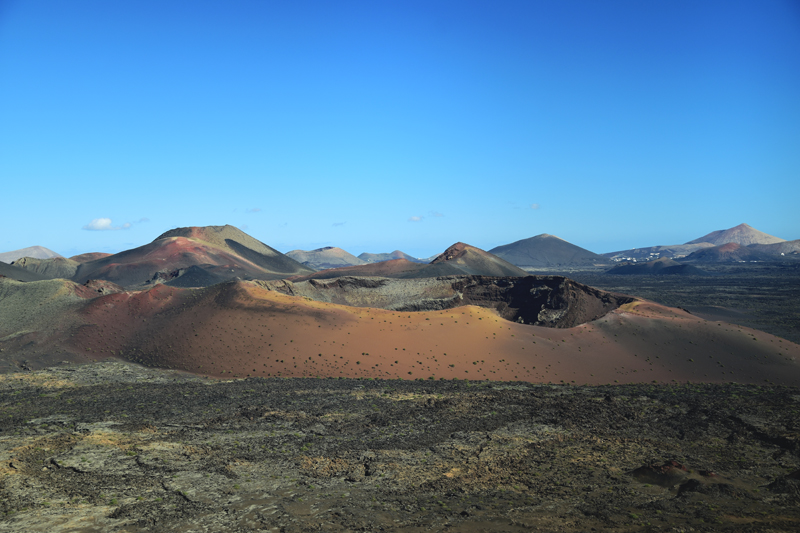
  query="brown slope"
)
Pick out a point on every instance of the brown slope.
point(53, 268)
point(323, 258)
point(240, 328)
point(727, 253)
point(552, 301)
point(224, 251)
point(90, 256)
point(546, 251)
point(741, 234)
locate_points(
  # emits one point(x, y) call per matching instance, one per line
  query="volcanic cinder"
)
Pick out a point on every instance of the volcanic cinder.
point(537, 329)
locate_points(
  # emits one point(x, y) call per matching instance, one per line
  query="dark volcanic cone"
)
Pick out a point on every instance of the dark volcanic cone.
point(546, 251)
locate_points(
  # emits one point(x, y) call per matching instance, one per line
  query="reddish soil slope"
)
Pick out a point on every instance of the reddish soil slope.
point(223, 251)
point(241, 329)
point(91, 256)
point(741, 234)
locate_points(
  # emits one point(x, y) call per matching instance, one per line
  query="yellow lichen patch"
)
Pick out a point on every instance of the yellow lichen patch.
point(161, 446)
point(324, 467)
point(107, 438)
point(630, 306)
point(39, 379)
point(454, 472)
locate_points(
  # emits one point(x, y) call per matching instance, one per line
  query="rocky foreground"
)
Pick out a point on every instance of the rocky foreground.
point(116, 447)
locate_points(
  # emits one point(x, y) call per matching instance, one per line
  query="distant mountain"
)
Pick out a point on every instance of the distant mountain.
point(728, 252)
point(546, 251)
point(224, 251)
point(397, 254)
point(741, 234)
point(324, 258)
point(672, 251)
point(658, 267)
point(778, 249)
point(39, 252)
point(459, 259)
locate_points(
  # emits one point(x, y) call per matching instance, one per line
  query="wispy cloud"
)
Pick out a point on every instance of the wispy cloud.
point(253, 210)
point(534, 206)
point(104, 224)
point(143, 219)
point(415, 219)
point(339, 224)
point(436, 214)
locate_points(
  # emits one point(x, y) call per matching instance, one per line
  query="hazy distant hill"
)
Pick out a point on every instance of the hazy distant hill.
point(224, 251)
point(741, 234)
point(658, 267)
point(397, 254)
point(728, 252)
point(324, 258)
point(546, 251)
point(459, 259)
point(672, 251)
point(39, 252)
point(787, 248)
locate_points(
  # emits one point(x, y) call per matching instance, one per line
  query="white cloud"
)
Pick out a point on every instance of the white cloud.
point(436, 214)
point(534, 206)
point(104, 224)
point(415, 219)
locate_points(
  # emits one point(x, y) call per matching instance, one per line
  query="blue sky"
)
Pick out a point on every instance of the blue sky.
point(376, 126)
